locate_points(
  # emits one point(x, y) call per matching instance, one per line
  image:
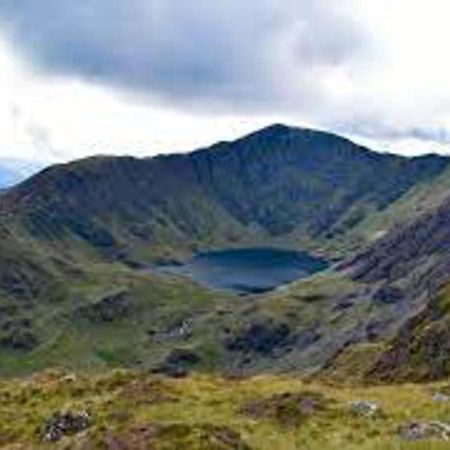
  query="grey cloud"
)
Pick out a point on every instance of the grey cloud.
point(249, 54)
point(431, 134)
point(375, 129)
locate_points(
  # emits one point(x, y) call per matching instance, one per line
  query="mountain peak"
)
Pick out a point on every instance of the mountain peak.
point(279, 131)
point(273, 131)
point(278, 128)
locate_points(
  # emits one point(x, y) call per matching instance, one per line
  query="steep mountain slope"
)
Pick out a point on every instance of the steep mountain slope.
point(77, 239)
point(297, 186)
point(290, 180)
point(410, 266)
point(422, 197)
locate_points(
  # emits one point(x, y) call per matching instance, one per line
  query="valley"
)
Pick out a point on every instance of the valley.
point(78, 239)
point(194, 271)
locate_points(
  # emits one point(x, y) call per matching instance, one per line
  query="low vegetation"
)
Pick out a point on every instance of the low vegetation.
point(131, 410)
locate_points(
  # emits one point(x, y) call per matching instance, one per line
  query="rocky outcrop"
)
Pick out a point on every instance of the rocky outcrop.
point(107, 309)
point(264, 338)
point(66, 423)
point(418, 431)
point(179, 362)
point(364, 408)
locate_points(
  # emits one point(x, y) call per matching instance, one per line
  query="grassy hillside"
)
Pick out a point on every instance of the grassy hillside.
point(126, 410)
point(76, 289)
point(114, 316)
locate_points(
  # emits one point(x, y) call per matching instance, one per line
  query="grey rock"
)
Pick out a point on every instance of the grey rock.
point(66, 423)
point(440, 398)
point(365, 408)
point(416, 431)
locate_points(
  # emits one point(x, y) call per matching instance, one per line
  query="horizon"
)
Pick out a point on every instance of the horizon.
point(23, 168)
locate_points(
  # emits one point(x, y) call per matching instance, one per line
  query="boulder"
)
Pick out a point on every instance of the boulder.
point(439, 397)
point(416, 431)
point(66, 423)
point(365, 408)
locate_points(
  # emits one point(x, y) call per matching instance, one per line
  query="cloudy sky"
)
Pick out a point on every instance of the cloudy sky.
point(150, 76)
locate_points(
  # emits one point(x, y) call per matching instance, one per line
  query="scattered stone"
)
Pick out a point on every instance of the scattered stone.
point(439, 397)
point(417, 431)
point(181, 330)
point(365, 408)
point(66, 424)
point(69, 378)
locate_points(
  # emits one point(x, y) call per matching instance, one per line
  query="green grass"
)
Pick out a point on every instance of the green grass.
point(192, 413)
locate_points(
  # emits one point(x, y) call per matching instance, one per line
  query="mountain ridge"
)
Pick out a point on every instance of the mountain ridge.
point(233, 178)
point(78, 240)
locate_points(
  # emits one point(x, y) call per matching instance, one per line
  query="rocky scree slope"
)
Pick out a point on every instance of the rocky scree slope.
point(409, 270)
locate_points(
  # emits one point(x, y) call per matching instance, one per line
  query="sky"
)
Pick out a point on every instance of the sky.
point(144, 77)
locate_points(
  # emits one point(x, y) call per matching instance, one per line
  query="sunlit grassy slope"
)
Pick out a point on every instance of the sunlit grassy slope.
point(137, 410)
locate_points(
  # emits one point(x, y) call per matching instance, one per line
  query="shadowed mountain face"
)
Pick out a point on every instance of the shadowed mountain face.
point(279, 183)
point(76, 237)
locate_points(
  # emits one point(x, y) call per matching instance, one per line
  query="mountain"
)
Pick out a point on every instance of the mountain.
point(279, 184)
point(77, 240)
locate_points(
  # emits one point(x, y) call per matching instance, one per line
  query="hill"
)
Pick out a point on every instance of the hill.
point(76, 287)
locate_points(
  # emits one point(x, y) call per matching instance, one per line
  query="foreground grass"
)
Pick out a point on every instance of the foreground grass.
point(137, 410)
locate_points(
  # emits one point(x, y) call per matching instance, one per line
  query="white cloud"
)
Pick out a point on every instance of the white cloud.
point(375, 70)
point(56, 119)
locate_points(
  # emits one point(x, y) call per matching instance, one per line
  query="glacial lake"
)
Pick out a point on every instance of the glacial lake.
point(247, 271)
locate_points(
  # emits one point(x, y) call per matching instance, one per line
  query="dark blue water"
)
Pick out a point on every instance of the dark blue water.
point(247, 271)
